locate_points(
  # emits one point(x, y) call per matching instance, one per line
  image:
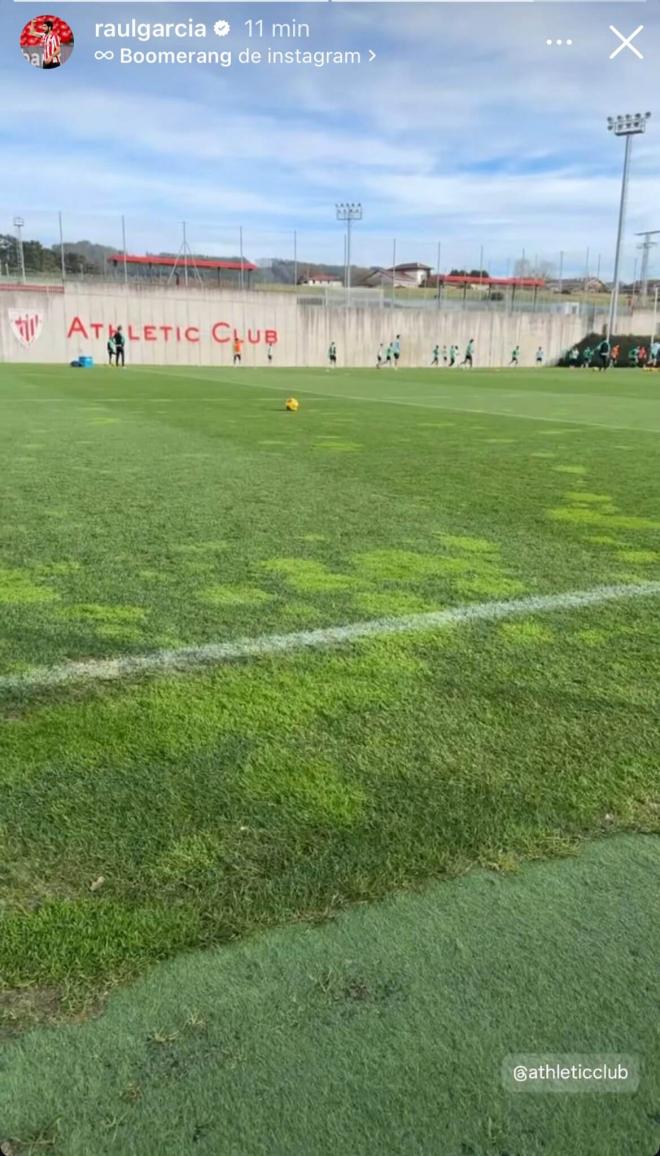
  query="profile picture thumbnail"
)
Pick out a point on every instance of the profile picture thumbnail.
point(47, 42)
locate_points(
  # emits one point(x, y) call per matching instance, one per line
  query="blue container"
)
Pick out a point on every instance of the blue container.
point(86, 362)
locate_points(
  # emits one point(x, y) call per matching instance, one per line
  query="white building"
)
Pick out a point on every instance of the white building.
point(323, 280)
point(409, 276)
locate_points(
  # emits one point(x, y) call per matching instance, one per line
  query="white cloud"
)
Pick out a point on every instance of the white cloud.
point(467, 128)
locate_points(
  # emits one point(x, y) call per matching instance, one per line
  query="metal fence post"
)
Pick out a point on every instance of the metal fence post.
point(62, 261)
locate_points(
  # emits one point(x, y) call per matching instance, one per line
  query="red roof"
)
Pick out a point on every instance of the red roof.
point(462, 279)
point(27, 287)
point(192, 262)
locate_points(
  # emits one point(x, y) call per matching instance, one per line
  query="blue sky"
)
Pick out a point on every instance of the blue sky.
point(466, 129)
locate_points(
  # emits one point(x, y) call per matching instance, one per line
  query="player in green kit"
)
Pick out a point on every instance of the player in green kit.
point(469, 353)
point(515, 356)
point(332, 355)
point(436, 355)
point(587, 355)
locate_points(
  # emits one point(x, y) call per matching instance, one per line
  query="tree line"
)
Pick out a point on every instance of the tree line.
point(79, 257)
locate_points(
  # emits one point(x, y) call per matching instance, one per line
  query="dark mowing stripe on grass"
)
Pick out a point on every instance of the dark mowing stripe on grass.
point(192, 657)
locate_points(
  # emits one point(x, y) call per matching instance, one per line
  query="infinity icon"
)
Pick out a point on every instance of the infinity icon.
point(104, 55)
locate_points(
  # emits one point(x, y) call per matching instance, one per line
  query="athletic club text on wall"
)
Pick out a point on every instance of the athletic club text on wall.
point(221, 332)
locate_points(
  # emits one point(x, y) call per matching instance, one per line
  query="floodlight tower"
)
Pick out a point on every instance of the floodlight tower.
point(348, 211)
point(628, 126)
point(18, 225)
point(646, 246)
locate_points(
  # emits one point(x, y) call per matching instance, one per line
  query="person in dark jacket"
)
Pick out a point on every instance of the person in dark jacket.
point(120, 342)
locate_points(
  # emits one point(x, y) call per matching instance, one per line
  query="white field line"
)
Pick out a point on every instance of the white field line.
point(431, 403)
point(319, 395)
point(331, 397)
point(192, 658)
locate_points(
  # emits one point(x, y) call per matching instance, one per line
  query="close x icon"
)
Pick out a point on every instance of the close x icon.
point(626, 42)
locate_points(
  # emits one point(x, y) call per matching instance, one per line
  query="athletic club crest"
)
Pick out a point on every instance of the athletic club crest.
point(26, 327)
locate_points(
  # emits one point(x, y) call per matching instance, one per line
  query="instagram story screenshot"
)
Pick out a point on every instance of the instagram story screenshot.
point(329, 577)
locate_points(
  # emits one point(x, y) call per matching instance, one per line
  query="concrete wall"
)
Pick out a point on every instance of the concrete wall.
point(642, 323)
point(196, 327)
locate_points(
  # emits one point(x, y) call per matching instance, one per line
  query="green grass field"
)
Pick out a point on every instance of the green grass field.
point(382, 1031)
point(145, 512)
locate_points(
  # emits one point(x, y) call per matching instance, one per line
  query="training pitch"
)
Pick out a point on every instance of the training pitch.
point(257, 666)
